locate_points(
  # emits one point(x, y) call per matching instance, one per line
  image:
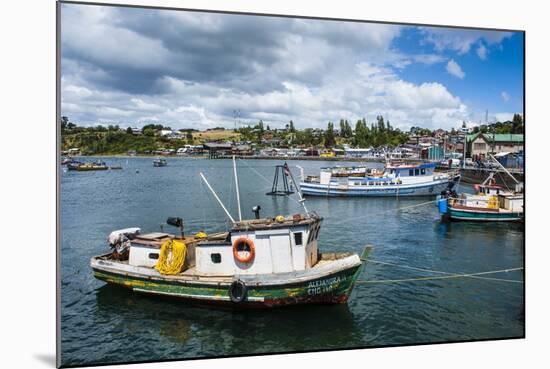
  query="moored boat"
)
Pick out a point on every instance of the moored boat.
point(160, 162)
point(396, 180)
point(490, 203)
point(84, 167)
point(261, 262)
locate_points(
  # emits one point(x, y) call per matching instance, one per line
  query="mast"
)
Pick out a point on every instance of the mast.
point(302, 200)
point(237, 188)
point(216, 196)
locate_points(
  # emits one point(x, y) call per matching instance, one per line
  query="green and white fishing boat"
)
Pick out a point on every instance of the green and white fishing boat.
point(490, 203)
point(261, 262)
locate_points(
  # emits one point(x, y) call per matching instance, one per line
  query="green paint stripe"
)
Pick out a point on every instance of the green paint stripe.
point(337, 284)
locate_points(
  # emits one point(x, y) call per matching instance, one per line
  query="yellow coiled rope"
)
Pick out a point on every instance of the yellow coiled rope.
point(172, 257)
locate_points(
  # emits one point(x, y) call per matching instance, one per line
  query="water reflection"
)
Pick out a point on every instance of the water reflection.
point(225, 330)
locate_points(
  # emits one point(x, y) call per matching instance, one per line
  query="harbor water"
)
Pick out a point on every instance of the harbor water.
point(106, 324)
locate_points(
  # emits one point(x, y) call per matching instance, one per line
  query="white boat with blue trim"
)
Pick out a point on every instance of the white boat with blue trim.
point(396, 180)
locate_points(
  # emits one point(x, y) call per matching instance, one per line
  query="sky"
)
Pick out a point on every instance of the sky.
point(132, 66)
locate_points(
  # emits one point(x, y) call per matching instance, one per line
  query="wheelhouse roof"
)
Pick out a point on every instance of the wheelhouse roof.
point(411, 166)
point(272, 223)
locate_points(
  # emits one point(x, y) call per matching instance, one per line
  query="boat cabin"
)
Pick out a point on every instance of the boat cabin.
point(488, 190)
point(404, 170)
point(259, 246)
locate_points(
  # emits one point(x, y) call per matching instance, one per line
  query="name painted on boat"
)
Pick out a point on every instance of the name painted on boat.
point(324, 285)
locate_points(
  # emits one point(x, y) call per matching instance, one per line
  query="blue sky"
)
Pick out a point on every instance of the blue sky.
point(187, 69)
point(492, 81)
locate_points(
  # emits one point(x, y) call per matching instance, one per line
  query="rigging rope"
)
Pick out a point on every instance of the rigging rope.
point(446, 277)
point(448, 273)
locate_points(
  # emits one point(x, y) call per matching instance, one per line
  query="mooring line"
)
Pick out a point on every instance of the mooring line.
point(387, 211)
point(438, 271)
point(258, 173)
point(449, 276)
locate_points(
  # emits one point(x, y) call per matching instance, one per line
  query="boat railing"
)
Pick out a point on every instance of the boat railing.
point(475, 201)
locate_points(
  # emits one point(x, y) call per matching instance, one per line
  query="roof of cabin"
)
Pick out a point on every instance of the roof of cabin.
point(411, 166)
point(271, 223)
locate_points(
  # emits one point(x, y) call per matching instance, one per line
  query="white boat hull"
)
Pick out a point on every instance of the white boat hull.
point(397, 190)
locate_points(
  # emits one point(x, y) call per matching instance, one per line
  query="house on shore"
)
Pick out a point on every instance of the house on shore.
point(482, 144)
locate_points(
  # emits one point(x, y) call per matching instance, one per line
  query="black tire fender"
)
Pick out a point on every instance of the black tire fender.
point(238, 291)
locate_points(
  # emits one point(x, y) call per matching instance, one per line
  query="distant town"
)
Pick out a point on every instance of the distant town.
point(363, 140)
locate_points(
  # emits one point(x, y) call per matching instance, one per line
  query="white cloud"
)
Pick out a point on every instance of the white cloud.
point(455, 69)
point(307, 71)
point(503, 117)
point(505, 96)
point(482, 52)
point(460, 40)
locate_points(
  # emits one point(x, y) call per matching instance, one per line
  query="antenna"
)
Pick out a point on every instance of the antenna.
point(216, 197)
point(237, 188)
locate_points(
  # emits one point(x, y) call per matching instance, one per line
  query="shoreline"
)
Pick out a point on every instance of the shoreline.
point(248, 157)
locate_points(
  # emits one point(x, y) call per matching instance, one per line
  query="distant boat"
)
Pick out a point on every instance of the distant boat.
point(160, 162)
point(67, 160)
point(115, 167)
point(490, 203)
point(84, 167)
point(396, 180)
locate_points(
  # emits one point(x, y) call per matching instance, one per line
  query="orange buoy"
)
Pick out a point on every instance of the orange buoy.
point(244, 244)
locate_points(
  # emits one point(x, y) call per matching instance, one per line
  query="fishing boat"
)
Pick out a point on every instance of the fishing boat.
point(397, 179)
point(259, 262)
point(160, 162)
point(67, 160)
point(490, 203)
point(84, 167)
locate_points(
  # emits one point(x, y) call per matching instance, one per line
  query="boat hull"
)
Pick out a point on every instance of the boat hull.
point(423, 189)
point(482, 216)
point(327, 288)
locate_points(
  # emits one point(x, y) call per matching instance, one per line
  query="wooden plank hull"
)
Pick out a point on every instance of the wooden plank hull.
point(327, 288)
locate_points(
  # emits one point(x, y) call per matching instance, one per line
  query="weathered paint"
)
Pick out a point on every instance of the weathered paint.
point(331, 289)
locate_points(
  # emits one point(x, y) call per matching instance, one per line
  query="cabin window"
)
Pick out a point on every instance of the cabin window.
point(423, 171)
point(216, 258)
point(416, 172)
point(411, 172)
point(153, 255)
point(298, 238)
